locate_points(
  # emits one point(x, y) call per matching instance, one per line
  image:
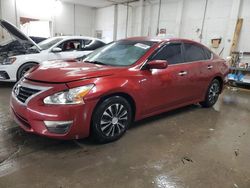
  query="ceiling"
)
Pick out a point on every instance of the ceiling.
point(97, 3)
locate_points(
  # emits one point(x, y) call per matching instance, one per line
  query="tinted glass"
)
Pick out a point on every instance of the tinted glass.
point(71, 45)
point(208, 53)
point(171, 53)
point(194, 53)
point(92, 44)
point(120, 53)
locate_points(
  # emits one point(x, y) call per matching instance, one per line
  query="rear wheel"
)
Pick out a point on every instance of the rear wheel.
point(212, 94)
point(24, 69)
point(111, 119)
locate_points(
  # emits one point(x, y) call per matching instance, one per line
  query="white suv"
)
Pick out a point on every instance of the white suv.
point(15, 62)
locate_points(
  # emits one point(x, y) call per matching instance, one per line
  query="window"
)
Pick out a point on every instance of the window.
point(70, 45)
point(208, 53)
point(194, 53)
point(172, 53)
point(48, 43)
point(92, 44)
point(119, 53)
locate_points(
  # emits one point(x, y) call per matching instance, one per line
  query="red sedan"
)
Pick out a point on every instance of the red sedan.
point(122, 82)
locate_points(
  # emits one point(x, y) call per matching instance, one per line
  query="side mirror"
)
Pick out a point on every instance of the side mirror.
point(56, 50)
point(157, 64)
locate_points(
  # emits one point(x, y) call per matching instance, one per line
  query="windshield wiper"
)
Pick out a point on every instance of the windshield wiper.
point(95, 62)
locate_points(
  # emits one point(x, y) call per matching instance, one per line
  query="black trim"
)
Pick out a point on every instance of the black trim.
point(5, 75)
point(163, 46)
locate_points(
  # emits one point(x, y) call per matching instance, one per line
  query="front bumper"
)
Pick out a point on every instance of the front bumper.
point(8, 73)
point(33, 115)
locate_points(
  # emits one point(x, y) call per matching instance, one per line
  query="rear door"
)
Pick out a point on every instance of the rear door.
point(198, 59)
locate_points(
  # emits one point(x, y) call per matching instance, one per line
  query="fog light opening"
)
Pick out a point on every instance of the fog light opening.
point(58, 127)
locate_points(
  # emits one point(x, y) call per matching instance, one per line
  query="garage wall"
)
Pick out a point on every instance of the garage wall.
point(104, 21)
point(180, 18)
point(216, 23)
point(124, 21)
point(244, 42)
point(127, 21)
point(8, 10)
point(75, 20)
point(169, 13)
point(67, 19)
point(184, 19)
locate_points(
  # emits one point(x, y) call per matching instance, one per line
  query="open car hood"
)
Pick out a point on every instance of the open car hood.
point(17, 34)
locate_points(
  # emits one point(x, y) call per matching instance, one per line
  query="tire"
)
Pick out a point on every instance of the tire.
point(212, 94)
point(111, 119)
point(23, 69)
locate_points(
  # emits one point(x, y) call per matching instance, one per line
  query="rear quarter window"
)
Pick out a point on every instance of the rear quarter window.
point(208, 53)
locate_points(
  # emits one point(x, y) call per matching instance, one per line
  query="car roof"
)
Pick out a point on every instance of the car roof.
point(78, 37)
point(160, 39)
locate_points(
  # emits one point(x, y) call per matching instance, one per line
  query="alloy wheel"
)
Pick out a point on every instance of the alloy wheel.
point(214, 92)
point(114, 119)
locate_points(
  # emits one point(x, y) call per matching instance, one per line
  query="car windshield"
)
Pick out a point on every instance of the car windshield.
point(46, 44)
point(120, 53)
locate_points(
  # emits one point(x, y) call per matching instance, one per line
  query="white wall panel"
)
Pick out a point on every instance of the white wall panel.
point(67, 20)
point(105, 22)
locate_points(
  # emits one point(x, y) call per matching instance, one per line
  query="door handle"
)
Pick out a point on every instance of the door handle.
point(182, 73)
point(209, 66)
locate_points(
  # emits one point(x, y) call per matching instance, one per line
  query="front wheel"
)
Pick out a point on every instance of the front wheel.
point(24, 69)
point(212, 94)
point(111, 119)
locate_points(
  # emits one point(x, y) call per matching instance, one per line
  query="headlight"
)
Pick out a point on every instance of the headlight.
point(71, 96)
point(9, 61)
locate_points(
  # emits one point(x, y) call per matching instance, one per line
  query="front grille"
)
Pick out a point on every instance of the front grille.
point(23, 93)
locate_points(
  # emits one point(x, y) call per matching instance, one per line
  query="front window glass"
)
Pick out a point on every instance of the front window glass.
point(70, 45)
point(171, 52)
point(120, 53)
point(48, 43)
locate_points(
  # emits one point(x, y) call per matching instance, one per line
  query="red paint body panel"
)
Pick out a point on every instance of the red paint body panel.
point(153, 91)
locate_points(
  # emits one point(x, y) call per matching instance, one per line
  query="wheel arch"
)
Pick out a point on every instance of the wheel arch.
point(17, 72)
point(125, 95)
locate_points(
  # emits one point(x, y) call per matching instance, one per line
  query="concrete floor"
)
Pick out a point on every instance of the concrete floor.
point(189, 147)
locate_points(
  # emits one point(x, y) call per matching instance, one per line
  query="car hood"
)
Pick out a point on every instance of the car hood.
point(18, 34)
point(68, 71)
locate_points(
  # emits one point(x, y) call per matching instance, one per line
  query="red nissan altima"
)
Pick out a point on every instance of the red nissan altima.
point(122, 82)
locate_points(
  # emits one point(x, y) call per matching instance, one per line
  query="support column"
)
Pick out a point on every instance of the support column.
point(0, 9)
point(234, 15)
point(141, 17)
point(115, 22)
point(74, 17)
point(179, 18)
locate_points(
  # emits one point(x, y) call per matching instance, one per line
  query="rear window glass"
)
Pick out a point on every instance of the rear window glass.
point(194, 53)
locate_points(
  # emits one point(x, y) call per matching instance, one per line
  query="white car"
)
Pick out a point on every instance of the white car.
point(15, 62)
